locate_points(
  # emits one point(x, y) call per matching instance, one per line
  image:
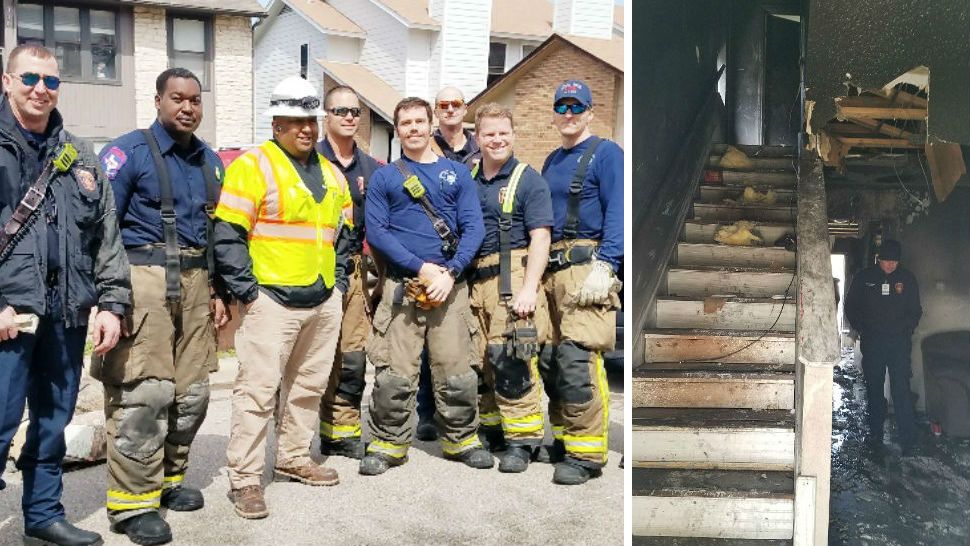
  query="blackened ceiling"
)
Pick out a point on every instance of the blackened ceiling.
point(877, 40)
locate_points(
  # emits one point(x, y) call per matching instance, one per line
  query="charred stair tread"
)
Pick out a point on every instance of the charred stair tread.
point(713, 418)
point(707, 332)
point(781, 208)
point(726, 367)
point(715, 193)
point(697, 541)
point(732, 299)
point(731, 268)
point(711, 375)
point(759, 484)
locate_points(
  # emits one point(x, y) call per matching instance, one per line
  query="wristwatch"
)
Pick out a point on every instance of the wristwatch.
point(454, 272)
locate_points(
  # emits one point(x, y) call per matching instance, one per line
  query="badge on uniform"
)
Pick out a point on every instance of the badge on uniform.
point(113, 161)
point(899, 287)
point(885, 289)
point(501, 195)
point(86, 179)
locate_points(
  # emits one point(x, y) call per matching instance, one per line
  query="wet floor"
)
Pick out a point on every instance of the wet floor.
point(912, 501)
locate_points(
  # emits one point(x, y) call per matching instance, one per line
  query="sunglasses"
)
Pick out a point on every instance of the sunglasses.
point(31, 79)
point(575, 108)
point(456, 104)
point(342, 111)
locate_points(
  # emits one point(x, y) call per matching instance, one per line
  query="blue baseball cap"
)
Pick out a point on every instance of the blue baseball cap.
point(574, 89)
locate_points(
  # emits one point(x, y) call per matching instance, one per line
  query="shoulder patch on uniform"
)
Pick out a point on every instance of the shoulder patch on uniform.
point(112, 161)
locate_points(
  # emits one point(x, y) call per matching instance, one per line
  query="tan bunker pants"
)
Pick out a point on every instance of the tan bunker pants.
point(340, 407)
point(572, 365)
point(513, 400)
point(156, 385)
point(401, 331)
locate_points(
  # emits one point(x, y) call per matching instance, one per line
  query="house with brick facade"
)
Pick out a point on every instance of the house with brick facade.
point(110, 53)
point(529, 87)
point(390, 49)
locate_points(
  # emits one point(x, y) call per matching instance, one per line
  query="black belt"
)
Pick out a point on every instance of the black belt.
point(155, 255)
point(489, 271)
point(562, 258)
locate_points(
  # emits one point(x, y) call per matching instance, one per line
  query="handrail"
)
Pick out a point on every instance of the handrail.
point(817, 352)
point(666, 210)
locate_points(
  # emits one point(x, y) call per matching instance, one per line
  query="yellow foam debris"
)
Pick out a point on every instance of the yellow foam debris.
point(738, 234)
point(734, 158)
point(754, 197)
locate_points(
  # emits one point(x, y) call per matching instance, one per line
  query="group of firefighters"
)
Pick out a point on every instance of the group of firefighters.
point(501, 280)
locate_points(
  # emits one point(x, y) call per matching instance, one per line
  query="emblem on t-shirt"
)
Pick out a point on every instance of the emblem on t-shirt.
point(501, 194)
point(448, 176)
point(85, 178)
point(898, 287)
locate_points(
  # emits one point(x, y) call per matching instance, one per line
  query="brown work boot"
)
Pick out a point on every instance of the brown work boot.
point(248, 502)
point(308, 472)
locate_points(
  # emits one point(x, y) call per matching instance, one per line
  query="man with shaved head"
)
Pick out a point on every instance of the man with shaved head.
point(451, 140)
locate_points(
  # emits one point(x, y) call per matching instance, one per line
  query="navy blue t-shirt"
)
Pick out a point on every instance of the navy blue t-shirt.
point(129, 166)
point(532, 205)
point(398, 227)
point(601, 199)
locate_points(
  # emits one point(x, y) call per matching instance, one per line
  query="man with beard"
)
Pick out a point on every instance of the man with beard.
point(156, 381)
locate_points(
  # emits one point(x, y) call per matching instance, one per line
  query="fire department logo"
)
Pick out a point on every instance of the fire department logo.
point(898, 287)
point(448, 177)
point(501, 194)
point(85, 178)
point(570, 87)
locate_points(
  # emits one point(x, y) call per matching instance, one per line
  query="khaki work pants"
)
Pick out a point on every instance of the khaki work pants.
point(513, 399)
point(340, 407)
point(401, 331)
point(287, 350)
point(572, 365)
point(156, 386)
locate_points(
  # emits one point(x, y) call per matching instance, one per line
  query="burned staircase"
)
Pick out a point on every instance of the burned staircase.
point(713, 420)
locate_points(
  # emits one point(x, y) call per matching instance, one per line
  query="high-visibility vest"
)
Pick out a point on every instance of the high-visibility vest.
point(291, 236)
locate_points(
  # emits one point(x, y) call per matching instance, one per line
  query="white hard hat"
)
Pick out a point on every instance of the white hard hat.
point(294, 97)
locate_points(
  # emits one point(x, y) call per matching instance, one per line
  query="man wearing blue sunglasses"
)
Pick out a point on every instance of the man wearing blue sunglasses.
point(66, 258)
point(585, 177)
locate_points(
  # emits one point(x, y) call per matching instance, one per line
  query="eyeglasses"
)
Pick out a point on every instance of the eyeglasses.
point(31, 79)
point(575, 108)
point(342, 111)
point(455, 103)
point(307, 103)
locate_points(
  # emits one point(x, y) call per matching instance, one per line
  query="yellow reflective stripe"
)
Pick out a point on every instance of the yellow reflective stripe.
point(585, 444)
point(118, 506)
point(452, 448)
point(529, 423)
point(509, 202)
point(490, 419)
point(339, 431)
point(121, 500)
point(172, 481)
point(605, 397)
point(397, 451)
point(235, 200)
point(557, 431)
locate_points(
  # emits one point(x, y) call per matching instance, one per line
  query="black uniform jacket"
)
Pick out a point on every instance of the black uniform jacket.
point(880, 304)
point(93, 266)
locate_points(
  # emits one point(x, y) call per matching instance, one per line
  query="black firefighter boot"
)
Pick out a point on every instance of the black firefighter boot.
point(145, 529)
point(61, 533)
point(515, 459)
point(182, 499)
point(551, 453)
point(352, 448)
point(492, 438)
point(575, 472)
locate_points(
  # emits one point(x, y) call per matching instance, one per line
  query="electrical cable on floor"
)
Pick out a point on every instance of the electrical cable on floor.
point(760, 336)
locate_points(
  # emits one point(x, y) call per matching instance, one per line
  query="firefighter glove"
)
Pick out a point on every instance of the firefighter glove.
point(599, 284)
